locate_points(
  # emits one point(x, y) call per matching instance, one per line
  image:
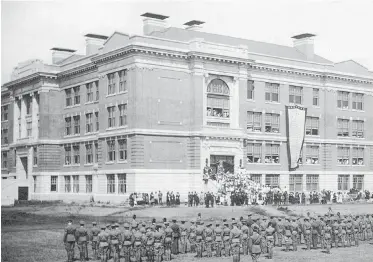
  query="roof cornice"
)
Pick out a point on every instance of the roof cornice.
point(29, 78)
point(77, 70)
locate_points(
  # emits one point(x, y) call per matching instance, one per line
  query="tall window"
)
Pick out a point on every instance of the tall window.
point(358, 128)
point(28, 102)
point(111, 150)
point(97, 91)
point(4, 136)
point(67, 155)
point(343, 126)
point(76, 184)
point(122, 114)
point(343, 182)
point(89, 87)
point(316, 97)
point(312, 183)
point(312, 155)
point(358, 156)
point(272, 154)
point(312, 126)
point(29, 129)
point(122, 143)
point(111, 84)
point(97, 121)
point(89, 153)
point(76, 149)
point(68, 126)
point(254, 153)
point(54, 184)
point(122, 185)
point(295, 183)
point(110, 183)
point(4, 113)
point(122, 81)
point(254, 121)
point(272, 180)
point(88, 183)
point(111, 116)
point(35, 155)
point(68, 95)
point(358, 182)
point(35, 183)
point(343, 155)
point(272, 92)
point(218, 99)
point(296, 94)
point(257, 178)
point(76, 125)
point(4, 160)
point(67, 184)
point(77, 95)
point(89, 123)
point(272, 123)
point(358, 101)
point(343, 99)
point(250, 90)
point(96, 152)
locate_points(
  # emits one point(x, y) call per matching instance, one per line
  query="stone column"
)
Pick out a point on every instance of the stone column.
point(16, 115)
point(23, 130)
point(35, 116)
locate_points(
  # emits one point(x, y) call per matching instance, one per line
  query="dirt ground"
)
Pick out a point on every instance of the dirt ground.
point(34, 233)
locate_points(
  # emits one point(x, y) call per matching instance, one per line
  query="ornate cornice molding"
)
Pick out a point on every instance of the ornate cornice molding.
point(29, 79)
point(77, 70)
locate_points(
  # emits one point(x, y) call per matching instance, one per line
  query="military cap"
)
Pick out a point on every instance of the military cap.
point(134, 216)
point(164, 219)
point(144, 224)
point(209, 224)
point(113, 226)
point(183, 221)
point(306, 218)
point(233, 219)
point(174, 220)
point(272, 217)
point(254, 218)
point(166, 223)
point(103, 227)
point(217, 223)
point(69, 221)
point(126, 225)
point(294, 218)
point(108, 225)
point(279, 218)
point(199, 214)
point(241, 218)
point(193, 221)
point(249, 215)
point(234, 222)
point(116, 224)
point(81, 222)
point(224, 220)
point(94, 223)
point(154, 220)
point(265, 218)
point(201, 222)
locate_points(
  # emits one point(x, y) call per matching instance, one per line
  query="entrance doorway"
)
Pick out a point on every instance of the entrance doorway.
point(22, 193)
point(228, 163)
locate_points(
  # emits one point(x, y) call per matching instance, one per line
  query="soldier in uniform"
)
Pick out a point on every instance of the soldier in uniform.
point(342, 230)
point(328, 235)
point(200, 234)
point(307, 227)
point(254, 224)
point(69, 240)
point(94, 239)
point(254, 243)
point(263, 226)
point(245, 237)
point(294, 226)
point(273, 220)
point(158, 243)
point(192, 237)
point(270, 233)
point(127, 242)
point(369, 227)
point(81, 235)
point(175, 237)
point(149, 243)
point(167, 242)
point(235, 238)
point(208, 239)
point(315, 232)
point(115, 239)
point(218, 239)
point(288, 234)
point(103, 238)
point(183, 242)
point(349, 232)
point(226, 239)
point(356, 226)
point(108, 230)
point(144, 239)
point(335, 227)
point(280, 232)
point(137, 243)
point(362, 228)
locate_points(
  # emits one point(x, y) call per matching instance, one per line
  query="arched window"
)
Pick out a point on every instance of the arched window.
point(218, 99)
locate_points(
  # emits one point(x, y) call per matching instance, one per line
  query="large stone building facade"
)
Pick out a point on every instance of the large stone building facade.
point(145, 113)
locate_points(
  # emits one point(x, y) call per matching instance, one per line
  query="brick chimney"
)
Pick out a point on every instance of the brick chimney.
point(194, 25)
point(154, 23)
point(94, 42)
point(59, 54)
point(305, 44)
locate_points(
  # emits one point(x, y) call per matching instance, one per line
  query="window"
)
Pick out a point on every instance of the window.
point(76, 149)
point(68, 126)
point(88, 183)
point(343, 182)
point(257, 178)
point(358, 101)
point(110, 183)
point(272, 92)
point(358, 156)
point(272, 180)
point(89, 123)
point(111, 84)
point(77, 95)
point(111, 116)
point(68, 95)
point(272, 123)
point(122, 81)
point(312, 183)
point(34, 182)
point(122, 114)
point(4, 160)
point(272, 154)
point(312, 155)
point(111, 150)
point(218, 99)
point(122, 143)
point(4, 113)
point(300, 159)
point(122, 186)
point(343, 157)
point(67, 184)
point(35, 154)
point(96, 152)
point(28, 103)
point(316, 98)
point(67, 155)
point(295, 183)
point(254, 153)
point(76, 184)
point(54, 184)
point(358, 128)
point(29, 129)
point(89, 87)
point(76, 125)
point(358, 182)
point(296, 94)
point(4, 136)
point(97, 91)
point(250, 90)
point(342, 101)
point(312, 126)
point(343, 126)
point(254, 121)
point(88, 154)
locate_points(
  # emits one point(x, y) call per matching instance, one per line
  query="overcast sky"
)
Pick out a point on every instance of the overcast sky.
point(343, 27)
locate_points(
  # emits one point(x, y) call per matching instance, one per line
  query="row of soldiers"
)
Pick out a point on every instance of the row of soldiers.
point(256, 235)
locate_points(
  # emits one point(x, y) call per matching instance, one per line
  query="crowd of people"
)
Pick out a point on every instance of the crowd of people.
point(254, 235)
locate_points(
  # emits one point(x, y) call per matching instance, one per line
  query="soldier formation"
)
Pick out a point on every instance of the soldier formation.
point(254, 235)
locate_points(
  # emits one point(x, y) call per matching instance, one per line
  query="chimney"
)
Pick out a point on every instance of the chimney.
point(154, 23)
point(304, 44)
point(59, 54)
point(194, 25)
point(94, 42)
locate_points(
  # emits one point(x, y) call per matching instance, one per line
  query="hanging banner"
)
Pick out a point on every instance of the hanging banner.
point(296, 127)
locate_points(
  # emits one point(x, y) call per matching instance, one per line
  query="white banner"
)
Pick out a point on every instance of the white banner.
point(296, 124)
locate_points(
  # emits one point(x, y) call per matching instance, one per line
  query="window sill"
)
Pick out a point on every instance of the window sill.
point(357, 110)
point(111, 128)
point(250, 100)
point(122, 162)
point(344, 109)
point(312, 135)
point(272, 102)
point(316, 106)
point(71, 136)
point(110, 163)
point(361, 138)
point(90, 164)
point(358, 165)
point(344, 165)
point(91, 102)
point(272, 164)
point(73, 165)
point(309, 164)
point(111, 95)
point(91, 133)
point(254, 132)
point(123, 92)
point(254, 163)
point(4, 121)
point(344, 137)
point(216, 118)
point(73, 106)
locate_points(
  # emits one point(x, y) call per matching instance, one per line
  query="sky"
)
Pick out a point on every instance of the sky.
point(30, 29)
